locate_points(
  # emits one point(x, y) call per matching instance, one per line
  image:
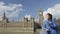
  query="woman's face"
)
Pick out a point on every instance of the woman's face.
point(47, 16)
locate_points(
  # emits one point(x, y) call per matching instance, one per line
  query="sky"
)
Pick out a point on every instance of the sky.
point(17, 9)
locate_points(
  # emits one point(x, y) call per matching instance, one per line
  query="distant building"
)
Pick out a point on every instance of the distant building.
point(24, 26)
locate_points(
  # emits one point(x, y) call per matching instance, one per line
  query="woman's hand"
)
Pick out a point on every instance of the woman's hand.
point(47, 30)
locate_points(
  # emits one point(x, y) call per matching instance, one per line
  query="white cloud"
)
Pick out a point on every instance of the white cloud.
point(28, 16)
point(12, 10)
point(55, 11)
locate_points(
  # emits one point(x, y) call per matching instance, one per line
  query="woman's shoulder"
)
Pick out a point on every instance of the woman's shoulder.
point(52, 20)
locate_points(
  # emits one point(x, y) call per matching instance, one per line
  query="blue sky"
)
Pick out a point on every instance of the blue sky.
point(31, 7)
point(49, 3)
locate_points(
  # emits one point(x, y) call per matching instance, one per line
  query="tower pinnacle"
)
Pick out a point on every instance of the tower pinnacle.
point(4, 16)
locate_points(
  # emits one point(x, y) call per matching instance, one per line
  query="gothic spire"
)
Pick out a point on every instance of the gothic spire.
point(40, 9)
point(4, 16)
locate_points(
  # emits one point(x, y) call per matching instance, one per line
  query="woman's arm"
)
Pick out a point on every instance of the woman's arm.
point(53, 25)
point(45, 26)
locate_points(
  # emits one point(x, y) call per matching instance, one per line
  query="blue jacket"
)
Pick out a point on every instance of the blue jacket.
point(50, 27)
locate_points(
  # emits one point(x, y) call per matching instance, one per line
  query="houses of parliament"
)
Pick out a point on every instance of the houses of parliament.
point(21, 27)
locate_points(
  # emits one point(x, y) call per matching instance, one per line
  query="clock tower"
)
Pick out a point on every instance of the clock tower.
point(40, 17)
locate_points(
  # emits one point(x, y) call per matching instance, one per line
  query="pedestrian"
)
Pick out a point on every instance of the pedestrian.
point(49, 25)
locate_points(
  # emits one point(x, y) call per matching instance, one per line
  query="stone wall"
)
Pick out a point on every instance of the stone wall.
point(16, 32)
point(12, 30)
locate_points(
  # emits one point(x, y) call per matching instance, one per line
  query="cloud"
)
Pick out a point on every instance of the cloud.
point(11, 10)
point(55, 11)
point(28, 16)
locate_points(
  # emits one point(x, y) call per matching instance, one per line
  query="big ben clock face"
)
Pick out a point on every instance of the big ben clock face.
point(40, 13)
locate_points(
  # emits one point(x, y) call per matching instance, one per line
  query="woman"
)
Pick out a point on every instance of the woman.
point(49, 25)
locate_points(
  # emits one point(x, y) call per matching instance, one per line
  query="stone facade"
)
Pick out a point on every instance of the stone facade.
point(21, 27)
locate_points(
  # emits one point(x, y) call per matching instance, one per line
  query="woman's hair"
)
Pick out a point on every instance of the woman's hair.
point(50, 16)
